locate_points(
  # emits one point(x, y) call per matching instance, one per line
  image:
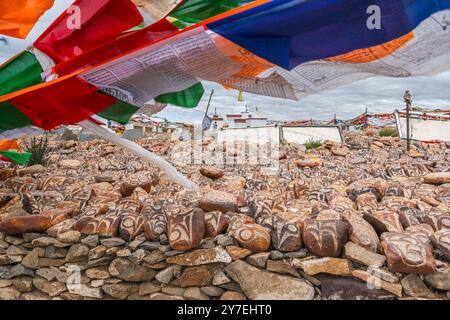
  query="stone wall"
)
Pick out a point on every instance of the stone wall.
point(72, 267)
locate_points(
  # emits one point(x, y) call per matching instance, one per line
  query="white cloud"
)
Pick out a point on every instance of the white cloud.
point(378, 94)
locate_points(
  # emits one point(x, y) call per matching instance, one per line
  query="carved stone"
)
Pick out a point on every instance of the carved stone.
point(155, 224)
point(441, 240)
point(408, 252)
point(106, 225)
point(286, 236)
point(361, 232)
point(325, 238)
point(384, 221)
point(139, 179)
point(216, 223)
point(253, 237)
point(218, 201)
point(186, 230)
point(131, 226)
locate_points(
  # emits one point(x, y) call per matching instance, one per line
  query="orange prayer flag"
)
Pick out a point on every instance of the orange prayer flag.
point(18, 17)
point(9, 145)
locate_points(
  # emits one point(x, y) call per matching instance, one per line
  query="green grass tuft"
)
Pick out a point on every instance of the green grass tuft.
point(39, 151)
point(388, 132)
point(312, 144)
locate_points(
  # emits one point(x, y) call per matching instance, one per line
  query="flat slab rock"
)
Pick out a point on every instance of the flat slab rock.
point(201, 256)
point(326, 265)
point(263, 285)
point(362, 256)
point(345, 288)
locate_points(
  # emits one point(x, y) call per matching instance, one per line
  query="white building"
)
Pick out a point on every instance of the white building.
point(246, 119)
point(217, 122)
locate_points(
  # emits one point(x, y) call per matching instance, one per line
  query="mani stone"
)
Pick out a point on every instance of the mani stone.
point(131, 226)
point(286, 236)
point(325, 238)
point(263, 285)
point(25, 224)
point(362, 256)
point(438, 220)
point(155, 225)
point(218, 201)
point(237, 221)
point(106, 225)
point(410, 216)
point(61, 227)
point(201, 256)
point(186, 230)
point(212, 172)
point(408, 252)
point(326, 265)
point(437, 178)
point(139, 179)
point(423, 227)
point(441, 240)
point(384, 221)
point(253, 237)
point(216, 222)
point(361, 232)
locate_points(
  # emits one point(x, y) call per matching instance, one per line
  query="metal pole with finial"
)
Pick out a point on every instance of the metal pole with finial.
point(209, 103)
point(408, 101)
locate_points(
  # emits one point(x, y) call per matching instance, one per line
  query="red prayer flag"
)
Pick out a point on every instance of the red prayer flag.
point(68, 101)
point(122, 45)
point(86, 25)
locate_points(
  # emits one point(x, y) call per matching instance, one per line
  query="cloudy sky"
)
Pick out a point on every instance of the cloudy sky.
point(378, 94)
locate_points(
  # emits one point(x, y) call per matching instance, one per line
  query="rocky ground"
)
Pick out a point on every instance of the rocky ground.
point(360, 220)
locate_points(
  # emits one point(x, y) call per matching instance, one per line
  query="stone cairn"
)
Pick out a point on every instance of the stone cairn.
point(360, 220)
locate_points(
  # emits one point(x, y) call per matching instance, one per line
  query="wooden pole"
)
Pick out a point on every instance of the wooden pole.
point(408, 101)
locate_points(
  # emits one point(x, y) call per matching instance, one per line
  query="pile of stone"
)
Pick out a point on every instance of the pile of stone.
point(360, 220)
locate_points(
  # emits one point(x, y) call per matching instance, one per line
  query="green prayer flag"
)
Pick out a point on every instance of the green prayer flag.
point(188, 98)
point(120, 112)
point(190, 12)
point(11, 118)
point(16, 157)
point(21, 72)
